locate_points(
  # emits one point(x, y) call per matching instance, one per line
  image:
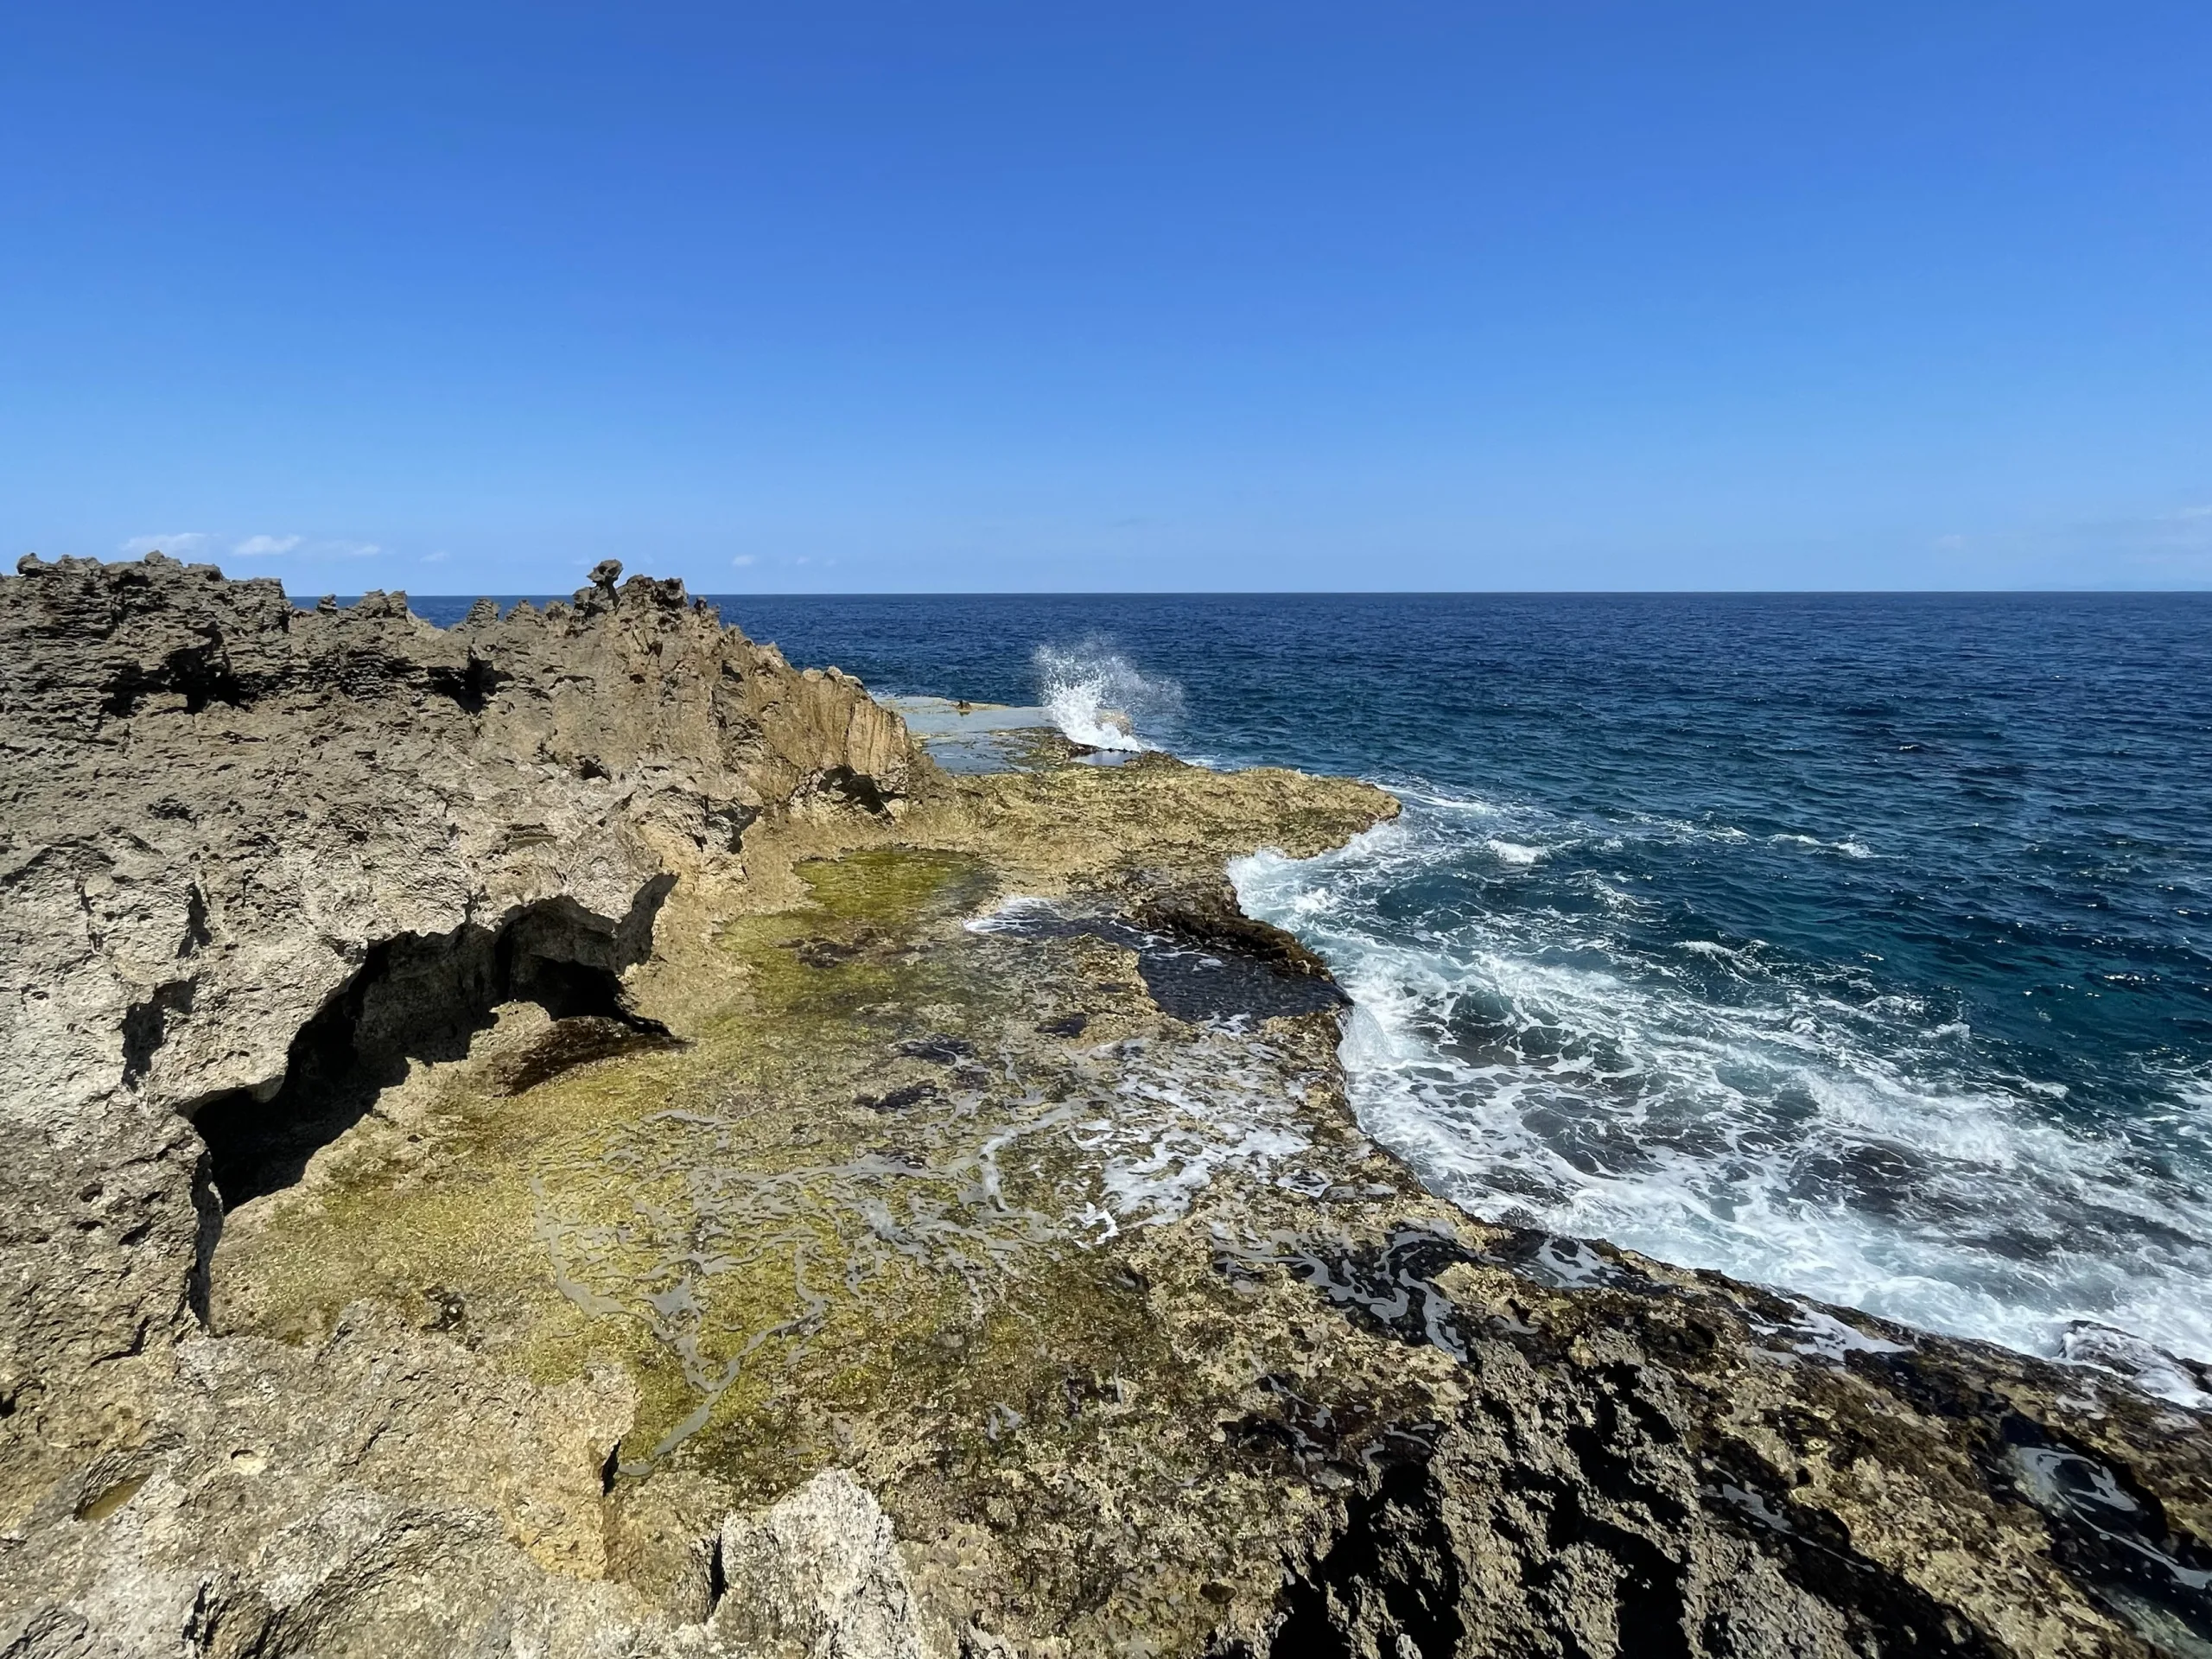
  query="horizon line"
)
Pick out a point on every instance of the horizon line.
point(1331, 592)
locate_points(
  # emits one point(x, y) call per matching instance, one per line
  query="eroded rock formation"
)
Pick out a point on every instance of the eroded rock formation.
point(248, 851)
point(566, 1137)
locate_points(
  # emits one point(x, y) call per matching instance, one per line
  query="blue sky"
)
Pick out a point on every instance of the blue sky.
point(1008, 296)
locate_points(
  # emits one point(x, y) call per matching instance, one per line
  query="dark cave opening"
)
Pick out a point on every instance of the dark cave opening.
point(424, 997)
point(845, 785)
point(202, 673)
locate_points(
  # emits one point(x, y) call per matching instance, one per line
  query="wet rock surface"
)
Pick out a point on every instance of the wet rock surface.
point(1192, 976)
point(820, 1205)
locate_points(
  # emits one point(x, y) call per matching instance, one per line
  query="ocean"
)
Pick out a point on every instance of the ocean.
point(1856, 944)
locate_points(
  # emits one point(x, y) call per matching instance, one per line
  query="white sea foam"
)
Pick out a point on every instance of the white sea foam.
point(1851, 847)
point(1095, 696)
point(1449, 803)
point(1540, 1066)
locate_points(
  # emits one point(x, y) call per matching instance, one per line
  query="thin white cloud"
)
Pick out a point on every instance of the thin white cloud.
point(433, 559)
point(181, 545)
point(265, 547)
point(1950, 543)
point(743, 560)
point(201, 544)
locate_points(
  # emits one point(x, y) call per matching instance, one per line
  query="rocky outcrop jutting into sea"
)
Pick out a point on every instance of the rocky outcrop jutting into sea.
point(568, 1136)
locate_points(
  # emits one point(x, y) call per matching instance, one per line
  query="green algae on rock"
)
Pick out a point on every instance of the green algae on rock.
point(869, 1211)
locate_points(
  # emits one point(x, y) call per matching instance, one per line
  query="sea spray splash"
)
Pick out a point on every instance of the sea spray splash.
point(1095, 696)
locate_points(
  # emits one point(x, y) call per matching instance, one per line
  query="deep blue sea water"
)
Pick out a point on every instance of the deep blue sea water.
point(1857, 944)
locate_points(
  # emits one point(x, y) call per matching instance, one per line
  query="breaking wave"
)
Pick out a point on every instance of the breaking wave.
point(1096, 696)
point(1595, 1068)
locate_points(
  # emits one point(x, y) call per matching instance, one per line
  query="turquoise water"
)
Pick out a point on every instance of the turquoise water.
point(1857, 944)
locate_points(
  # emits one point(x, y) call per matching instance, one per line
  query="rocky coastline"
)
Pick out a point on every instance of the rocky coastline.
point(568, 1135)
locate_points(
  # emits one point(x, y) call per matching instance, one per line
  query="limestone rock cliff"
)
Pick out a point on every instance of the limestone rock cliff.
point(224, 820)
